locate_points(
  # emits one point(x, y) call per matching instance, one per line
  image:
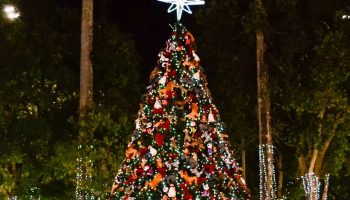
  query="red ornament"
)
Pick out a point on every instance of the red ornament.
point(172, 73)
point(209, 168)
point(162, 171)
point(168, 95)
point(197, 134)
point(206, 107)
point(201, 180)
point(158, 111)
point(140, 171)
point(188, 197)
point(167, 54)
point(159, 139)
point(165, 125)
point(143, 151)
point(174, 93)
point(174, 156)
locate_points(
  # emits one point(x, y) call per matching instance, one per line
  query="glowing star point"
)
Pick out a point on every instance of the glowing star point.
point(182, 5)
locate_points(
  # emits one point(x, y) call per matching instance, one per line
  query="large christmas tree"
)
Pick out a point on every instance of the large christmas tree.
point(179, 149)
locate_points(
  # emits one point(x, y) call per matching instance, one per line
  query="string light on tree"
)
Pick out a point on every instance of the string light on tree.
point(312, 186)
point(265, 149)
point(182, 5)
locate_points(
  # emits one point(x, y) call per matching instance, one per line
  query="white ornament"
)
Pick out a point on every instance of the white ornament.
point(173, 46)
point(210, 149)
point(162, 80)
point(157, 104)
point(207, 137)
point(196, 172)
point(152, 150)
point(137, 124)
point(205, 192)
point(182, 5)
point(196, 76)
point(162, 57)
point(211, 117)
point(196, 57)
point(176, 164)
point(172, 191)
point(165, 189)
point(168, 165)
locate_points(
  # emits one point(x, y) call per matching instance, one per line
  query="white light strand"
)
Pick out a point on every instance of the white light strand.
point(182, 5)
point(83, 178)
point(326, 184)
point(312, 186)
point(35, 193)
point(265, 163)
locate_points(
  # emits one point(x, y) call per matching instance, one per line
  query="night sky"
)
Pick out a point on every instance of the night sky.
point(146, 21)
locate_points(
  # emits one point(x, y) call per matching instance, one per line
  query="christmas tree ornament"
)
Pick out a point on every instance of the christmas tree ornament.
point(205, 192)
point(172, 191)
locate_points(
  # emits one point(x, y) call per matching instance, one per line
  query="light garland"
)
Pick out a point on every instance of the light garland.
point(83, 178)
point(312, 186)
point(264, 163)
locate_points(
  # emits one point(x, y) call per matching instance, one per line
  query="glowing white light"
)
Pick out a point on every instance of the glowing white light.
point(9, 8)
point(346, 17)
point(11, 12)
point(182, 5)
point(12, 16)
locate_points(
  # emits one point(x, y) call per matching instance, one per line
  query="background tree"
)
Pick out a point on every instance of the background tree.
point(37, 96)
point(309, 95)
point(39, 101)
point(227, 51)
point(293, 35)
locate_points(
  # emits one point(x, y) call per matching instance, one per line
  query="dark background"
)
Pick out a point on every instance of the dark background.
point(146, 21)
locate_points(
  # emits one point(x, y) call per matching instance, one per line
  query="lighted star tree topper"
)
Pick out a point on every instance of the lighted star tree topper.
point(182, 5)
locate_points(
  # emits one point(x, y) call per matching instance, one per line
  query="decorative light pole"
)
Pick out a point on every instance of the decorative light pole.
point(10, 12)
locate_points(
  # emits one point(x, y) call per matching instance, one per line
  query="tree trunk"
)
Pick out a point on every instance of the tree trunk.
point(86, 91)
point(313, 160)
point(267, 190)
point(244, 165)
point(325, 188)
point(302, 167)
point(325, 146)
point(86, 72)
point(280, 176)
